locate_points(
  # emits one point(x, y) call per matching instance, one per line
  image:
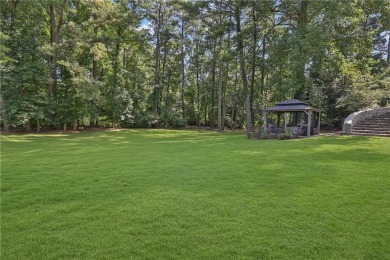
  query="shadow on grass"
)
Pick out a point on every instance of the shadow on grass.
point(157, 178)
point(338, 148)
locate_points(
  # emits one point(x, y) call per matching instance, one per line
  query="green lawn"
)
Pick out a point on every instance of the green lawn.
point(155, 194)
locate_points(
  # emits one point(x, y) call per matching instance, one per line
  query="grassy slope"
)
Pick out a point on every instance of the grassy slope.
point(186, 194)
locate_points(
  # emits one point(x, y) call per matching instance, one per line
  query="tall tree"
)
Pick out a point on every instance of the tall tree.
point(240, 49)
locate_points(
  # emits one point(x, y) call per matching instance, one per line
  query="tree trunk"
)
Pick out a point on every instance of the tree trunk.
point(157, 62)
point(55, 28)
point(182, 70)
point(253, 63)
point(240, 48)
point(198, 90)
point(161, 91)
point(204, 106)
point(220, 127)
point(205, 111)
point(168, 87)
point(226, 80)
point(262, 80)
point(224, 90)
point(388, 49)
point(53, 57)
point(28, 126)
point(115, 84)
point(14, 4)
point(220, 72)
point(300, 93)
point(234, 99)
point(94, 76)
point(94, 63)
point(4, 115)
point(213, 65)
point(92, 116)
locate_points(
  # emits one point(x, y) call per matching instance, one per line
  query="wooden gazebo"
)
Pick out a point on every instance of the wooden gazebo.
point(294, 111)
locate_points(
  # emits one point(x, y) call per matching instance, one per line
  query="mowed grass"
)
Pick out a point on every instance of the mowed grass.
point(166, 194)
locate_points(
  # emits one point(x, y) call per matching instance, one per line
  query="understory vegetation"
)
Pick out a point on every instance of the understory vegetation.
point(167, 194)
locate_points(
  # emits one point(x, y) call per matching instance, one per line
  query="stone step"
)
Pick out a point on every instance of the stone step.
point(376, 119)
point(381, 134)
point(364, 123)
point(383, 127)
point(371, 128)
point(373, 123)
point(371, 134)
point(374, 127)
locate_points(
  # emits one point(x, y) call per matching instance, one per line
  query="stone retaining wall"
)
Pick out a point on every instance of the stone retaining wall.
point(355, 117)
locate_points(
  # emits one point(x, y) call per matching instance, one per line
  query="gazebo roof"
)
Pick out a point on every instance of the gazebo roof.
point(292, 105)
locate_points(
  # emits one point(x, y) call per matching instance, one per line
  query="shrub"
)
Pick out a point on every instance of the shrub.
point(145, 119)
point(259, 134)
point(286, 134)
point(276, 133)
point(250, 135)
point(265, 135)
point(179, 122)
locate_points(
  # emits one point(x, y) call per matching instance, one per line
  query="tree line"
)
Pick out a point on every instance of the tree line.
point(217, 63)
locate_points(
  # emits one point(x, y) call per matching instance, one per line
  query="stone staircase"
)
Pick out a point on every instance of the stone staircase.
point(377, 125)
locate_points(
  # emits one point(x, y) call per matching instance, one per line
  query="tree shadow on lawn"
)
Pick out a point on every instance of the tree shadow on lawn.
point(340, 147)
point(259, 178)
point(321, 156)
point(351, 148)
point(340, 144)
point(157, 136)
point(125, 136)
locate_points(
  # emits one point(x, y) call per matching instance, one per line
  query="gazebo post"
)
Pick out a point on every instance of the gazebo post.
point(296, 118)
point(265, 120)
point(319, 121)
point(309, 114)
point(285, 120)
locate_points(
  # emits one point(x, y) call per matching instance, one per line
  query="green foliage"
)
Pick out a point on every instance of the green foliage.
point(4, 50)
point(145, 119)
point(179, 122)
point(286, 134)
point(23, 71)
point(169, 64)
point(280, 134)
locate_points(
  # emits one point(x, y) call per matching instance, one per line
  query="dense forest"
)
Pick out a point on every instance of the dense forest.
point(216, 63)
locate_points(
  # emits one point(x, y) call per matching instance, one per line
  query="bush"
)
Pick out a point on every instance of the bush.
point(145, 119)
point(252, 135)
point(276, 133)
point(179, 122)
point(265, 135)
point(286, 134)
point(259, 134)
